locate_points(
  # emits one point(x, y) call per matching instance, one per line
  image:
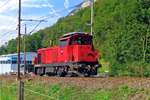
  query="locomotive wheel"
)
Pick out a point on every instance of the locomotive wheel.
point(40, 71)
point(62, 72)
point(90, 71)
point(93, 71)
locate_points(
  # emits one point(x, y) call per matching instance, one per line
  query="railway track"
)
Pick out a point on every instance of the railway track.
point(87, 82)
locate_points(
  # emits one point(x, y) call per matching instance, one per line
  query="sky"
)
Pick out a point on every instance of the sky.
point(48, 10)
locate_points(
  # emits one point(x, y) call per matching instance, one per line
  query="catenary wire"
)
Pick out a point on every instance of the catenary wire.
point(34, 28)
point(46, 17)
point(61, 11)
point(51, 15)
point(5, 4)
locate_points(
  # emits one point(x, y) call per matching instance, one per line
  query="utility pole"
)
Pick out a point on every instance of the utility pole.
point(92, 15)
point(20, 86)
point(19, 36)
point(32, 20)
point(25, 34)
point(25, 67)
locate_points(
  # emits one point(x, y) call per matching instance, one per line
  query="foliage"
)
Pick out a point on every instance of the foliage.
point(60, 92)
point(122, 34)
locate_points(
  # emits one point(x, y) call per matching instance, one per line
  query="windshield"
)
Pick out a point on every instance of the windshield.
point(63, 43)
point(81, 40)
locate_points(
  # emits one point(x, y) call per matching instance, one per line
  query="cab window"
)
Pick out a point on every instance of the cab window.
point(63, 43)
point(81, 41)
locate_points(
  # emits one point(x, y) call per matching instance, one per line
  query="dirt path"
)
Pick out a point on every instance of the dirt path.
point(95, 83)
point(91, 83)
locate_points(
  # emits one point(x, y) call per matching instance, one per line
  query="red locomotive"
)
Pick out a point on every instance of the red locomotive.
point(75, 54)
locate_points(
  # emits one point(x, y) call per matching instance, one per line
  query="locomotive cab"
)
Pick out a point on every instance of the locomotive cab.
point(77, 47)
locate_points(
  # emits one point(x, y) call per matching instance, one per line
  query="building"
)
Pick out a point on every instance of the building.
point(8, 63)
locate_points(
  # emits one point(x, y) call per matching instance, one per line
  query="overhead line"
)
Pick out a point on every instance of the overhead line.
point(35, 27)
point(61, 11)
point(47, 17)
point(52, 9)
point(5, 4)
point(7, 33)
point(33, 20)
point(50, 15)
point(9, 27)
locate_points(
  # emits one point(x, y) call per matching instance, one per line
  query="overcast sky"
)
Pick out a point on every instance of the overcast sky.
point(51, 10)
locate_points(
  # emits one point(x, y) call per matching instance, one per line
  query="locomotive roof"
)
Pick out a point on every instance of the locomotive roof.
point(73, 33)
point(68, 35)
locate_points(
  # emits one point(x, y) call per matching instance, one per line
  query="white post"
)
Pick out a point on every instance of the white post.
point(92, 15)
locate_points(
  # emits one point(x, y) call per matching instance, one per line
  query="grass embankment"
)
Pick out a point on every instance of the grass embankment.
point(42, 91)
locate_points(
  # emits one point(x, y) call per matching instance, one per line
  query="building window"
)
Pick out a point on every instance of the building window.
point(14, 62)
point(5, 62)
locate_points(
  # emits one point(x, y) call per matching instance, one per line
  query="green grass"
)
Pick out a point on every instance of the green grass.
point(8, 92)
point(59, 92)
point(105, 67)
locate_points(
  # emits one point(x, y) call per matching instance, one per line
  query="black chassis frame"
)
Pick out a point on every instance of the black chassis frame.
point(78, 64)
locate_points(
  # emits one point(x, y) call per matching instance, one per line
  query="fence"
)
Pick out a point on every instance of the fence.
point(41, 91)
point(10, 92)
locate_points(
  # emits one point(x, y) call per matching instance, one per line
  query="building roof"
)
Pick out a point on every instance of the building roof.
point(14, 54)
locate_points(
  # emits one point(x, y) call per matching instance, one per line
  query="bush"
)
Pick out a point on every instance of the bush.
point(139, 69)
